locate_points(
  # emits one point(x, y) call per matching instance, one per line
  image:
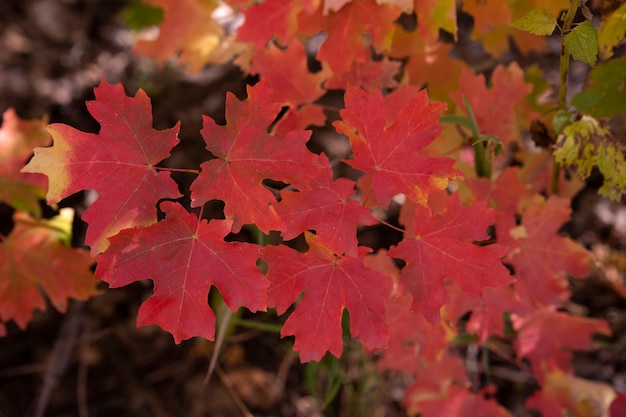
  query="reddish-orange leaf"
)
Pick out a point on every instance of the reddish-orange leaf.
point(328, 209)
point(433, 15)
point(118, 163)
point(547, 337)
point(388, 145)
point(442, 246)
point(286, 73)
point(495, 107)
point(461, 402)
point(414, 341)
point(429, 63)
point(370, 75)
point(541, 258)
point(273, 18)
point(300, 118)
point(487, 14)
point(563, 394)
point(17, 140)
point(352, 32)
point(184, 257)
point(247, 155)
point(434, 381)
point(33, 258)
point(330, 284)
point(187, 29)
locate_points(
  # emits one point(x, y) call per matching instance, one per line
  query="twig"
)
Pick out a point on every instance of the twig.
point(219, 342)
point(233, 392)
point(60, 356)
point(81, 387)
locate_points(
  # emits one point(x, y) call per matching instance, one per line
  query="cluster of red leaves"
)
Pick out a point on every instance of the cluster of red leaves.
point(452, 265)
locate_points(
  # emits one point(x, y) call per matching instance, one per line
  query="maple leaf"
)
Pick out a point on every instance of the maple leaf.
point(460, 402)
point(118, 163)
point(540, 256)
point(247, 155)
point(565, 394)
point(434, 381)
point(546, 337)
point(494, 108)
point(387, 145)
point(429, 63)
point(300, 118)
point(441, 246)
point(326, 208)
point(351, 32)
point(433, 15)
point(330, 284)
point(34, 258)
point(273, 18)
point(188, 29)
point(17, 140)
point(414, 341)
point(286, 73)
point(487, 14)
point(369, 75)
point(184, 256)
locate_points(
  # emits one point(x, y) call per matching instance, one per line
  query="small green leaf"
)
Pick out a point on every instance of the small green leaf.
point(472, 118)
point(582, 43)
point(561, 119)
point(612, 32)
point(139, 15)
point(536, 21)
point(606, 94)
point(455, 119)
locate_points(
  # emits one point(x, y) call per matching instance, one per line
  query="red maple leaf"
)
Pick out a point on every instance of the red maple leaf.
point(369, 75)
point(387, 144)
point(184, 256)
point(17, 140)
point(326, 208)
point(271, 18)
point(495, 108)
point(286, 73)
point(330, 284)
point(541, 258)
point(442, 246)
point(351, 32)
point(247, 155)
point(300, 118)
point(118, 163)
point(461, 402)
point(547, 337)
point(34, 258)
point(414, 341)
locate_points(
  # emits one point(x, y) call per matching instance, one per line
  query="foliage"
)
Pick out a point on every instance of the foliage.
point(404, 159)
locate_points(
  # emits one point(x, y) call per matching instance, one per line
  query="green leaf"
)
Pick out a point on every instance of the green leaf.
point(561, 119)
point(612, 32)
point(606, 95)
point(139, 15)
point(582, 43)
point(455, 119)
point(536, 21)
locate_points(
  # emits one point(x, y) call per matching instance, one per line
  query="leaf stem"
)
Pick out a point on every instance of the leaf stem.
point(563, 81)
point(190, 171)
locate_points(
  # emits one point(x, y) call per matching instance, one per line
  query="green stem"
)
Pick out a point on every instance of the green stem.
point(482, 160)
point(563, 78)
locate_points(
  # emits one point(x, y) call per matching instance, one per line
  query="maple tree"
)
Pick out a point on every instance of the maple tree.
point(465, 213)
